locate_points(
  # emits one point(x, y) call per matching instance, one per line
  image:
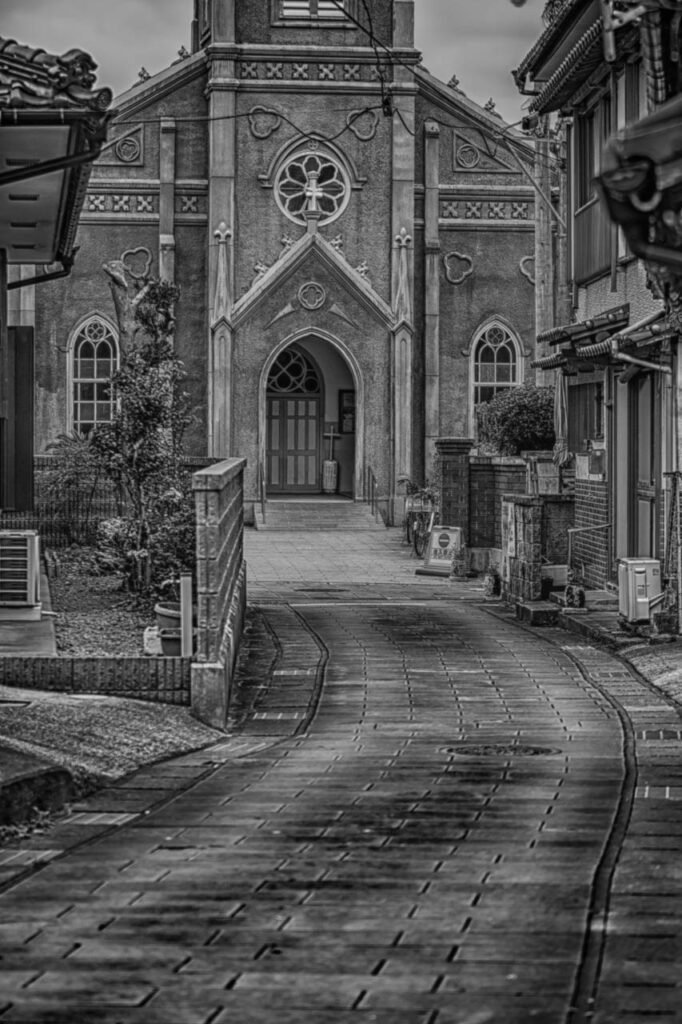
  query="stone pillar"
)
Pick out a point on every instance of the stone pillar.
point(402, 223)
point(167, 200)
point(523, 542)
point(431, 290)
point(453, 455)
point(222, 93)
point(4, 380)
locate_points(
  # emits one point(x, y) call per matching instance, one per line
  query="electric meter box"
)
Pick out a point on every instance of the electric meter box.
point(639, 582)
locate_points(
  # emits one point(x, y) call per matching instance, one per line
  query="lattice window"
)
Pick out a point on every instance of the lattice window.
point(293, 373)
point(496, 363)
point(95, 360)
point(303, 9)
point(311, 177)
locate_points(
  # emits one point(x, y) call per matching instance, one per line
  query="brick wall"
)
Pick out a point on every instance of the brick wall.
point(489, 478)
point(591, 550)
point(221, 586)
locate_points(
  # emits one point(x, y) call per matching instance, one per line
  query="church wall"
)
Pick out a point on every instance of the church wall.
point(121, 213)
point(494, 288)
point(365, 223)
point(254, 21)
point(257, 337)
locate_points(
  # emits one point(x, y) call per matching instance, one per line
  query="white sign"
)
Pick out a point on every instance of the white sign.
point(444, 542)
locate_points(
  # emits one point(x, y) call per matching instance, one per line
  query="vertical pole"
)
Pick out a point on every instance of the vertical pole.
point(4, 382)
point(431, 292)
point(186, 633)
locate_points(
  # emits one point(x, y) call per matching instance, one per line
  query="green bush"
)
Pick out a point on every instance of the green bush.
point(518, 419)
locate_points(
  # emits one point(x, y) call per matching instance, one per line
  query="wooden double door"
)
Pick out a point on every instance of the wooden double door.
point(293, 443)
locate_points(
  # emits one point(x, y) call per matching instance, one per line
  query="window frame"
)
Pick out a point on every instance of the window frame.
point(312, 19)
point(79, 337)
point(479, 339)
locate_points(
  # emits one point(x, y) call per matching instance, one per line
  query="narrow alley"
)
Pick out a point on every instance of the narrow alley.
point(429, 815)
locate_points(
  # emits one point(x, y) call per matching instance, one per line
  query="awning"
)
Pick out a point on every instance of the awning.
point(553, 362)
point(645, 331)
point(580, 62)
point(52, 126)
point(610, 321)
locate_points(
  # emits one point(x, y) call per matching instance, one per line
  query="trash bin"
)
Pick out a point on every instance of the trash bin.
point(330, 476)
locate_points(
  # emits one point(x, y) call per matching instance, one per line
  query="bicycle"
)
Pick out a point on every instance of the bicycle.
point(419, 503)
point(422, 531)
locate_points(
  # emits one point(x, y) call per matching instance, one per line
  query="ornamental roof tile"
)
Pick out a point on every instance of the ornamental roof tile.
point(34, 79)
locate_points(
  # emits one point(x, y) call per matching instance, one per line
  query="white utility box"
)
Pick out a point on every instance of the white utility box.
point(639, 587)
point(19, 575)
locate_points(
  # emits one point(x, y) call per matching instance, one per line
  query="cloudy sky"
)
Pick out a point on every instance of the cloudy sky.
point(480, 41)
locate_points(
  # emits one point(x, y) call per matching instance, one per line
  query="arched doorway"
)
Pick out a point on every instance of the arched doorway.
point(293, 423)
point(312, 401)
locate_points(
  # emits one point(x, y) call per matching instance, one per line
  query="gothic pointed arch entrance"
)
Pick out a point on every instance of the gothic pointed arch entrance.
point(312, 401)
point(295, 393)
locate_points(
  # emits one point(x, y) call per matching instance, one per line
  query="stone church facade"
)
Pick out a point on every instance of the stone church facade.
point(353, 242)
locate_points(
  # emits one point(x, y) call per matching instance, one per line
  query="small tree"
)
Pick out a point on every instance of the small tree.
point(71, 483)
point(140, 450)
point(518, 419)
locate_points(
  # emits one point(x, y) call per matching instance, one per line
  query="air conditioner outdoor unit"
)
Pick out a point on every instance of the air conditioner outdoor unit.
point(639, 588)
point(19, 575)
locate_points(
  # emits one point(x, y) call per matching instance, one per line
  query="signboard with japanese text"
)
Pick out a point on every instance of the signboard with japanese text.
point(444, 543)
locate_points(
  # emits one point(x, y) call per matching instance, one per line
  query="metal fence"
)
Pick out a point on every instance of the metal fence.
point(72, 516)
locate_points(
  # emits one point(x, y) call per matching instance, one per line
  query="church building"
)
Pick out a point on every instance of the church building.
point(353, 241)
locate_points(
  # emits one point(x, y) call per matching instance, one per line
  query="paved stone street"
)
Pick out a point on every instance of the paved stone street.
point(431, 815)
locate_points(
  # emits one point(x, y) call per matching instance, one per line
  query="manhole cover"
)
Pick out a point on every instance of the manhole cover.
point(500, 749)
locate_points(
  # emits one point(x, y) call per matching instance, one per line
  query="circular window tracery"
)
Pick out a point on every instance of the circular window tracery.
point(293, 373)
point(312, 179)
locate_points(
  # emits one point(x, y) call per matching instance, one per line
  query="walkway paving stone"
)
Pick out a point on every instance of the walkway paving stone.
point(431, 815)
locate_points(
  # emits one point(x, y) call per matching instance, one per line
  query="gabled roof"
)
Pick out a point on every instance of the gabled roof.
point(477, 116)
point(293, 258)
point(146, 91)
point(563, 17)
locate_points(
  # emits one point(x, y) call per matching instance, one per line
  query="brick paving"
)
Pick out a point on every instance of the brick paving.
point(431, 815)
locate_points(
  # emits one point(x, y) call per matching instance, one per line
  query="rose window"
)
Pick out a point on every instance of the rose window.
point(311, 181)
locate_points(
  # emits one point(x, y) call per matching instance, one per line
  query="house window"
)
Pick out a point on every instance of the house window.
point(495, 363)
point(304, 10)
point(95, 360)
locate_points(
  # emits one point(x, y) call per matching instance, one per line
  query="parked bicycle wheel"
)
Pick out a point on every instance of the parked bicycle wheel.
point(409, 526)
point(420, 535)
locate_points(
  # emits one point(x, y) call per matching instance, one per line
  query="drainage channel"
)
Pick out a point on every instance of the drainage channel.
point(586, 982)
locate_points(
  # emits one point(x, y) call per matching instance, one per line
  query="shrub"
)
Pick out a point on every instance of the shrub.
point(518, 419)
point(140, 450)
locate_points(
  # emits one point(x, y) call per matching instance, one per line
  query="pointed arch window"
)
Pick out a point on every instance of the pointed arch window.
point(496, 363)
point(95, 359)
point(293, 373)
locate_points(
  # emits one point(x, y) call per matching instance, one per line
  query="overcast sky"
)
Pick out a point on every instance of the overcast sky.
point(480, 41)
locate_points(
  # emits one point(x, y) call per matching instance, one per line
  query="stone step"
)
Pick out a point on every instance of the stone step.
point(318, 515)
